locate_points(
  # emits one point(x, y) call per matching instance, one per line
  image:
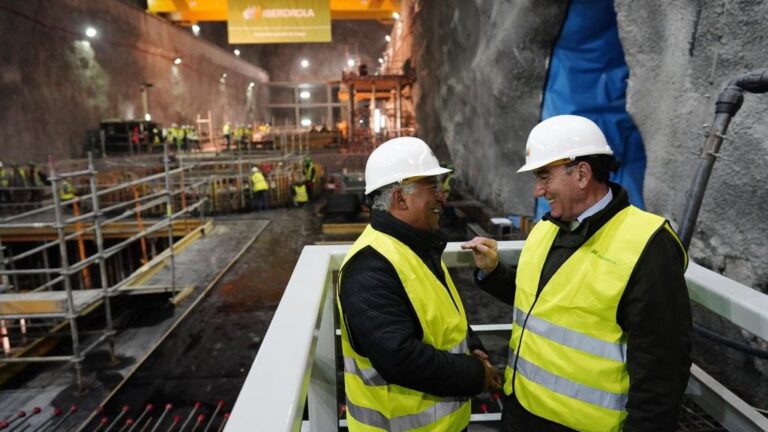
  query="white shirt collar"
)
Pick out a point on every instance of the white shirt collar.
point(603, 203)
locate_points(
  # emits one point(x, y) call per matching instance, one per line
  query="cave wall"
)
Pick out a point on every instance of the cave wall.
point(481, 69)
point(55, 83)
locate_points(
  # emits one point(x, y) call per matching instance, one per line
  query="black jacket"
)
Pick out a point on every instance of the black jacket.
point(383, 325)
point(654, 312)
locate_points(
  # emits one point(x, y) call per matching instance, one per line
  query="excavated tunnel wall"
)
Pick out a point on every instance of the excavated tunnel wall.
point(55, 83)
point(481, 69)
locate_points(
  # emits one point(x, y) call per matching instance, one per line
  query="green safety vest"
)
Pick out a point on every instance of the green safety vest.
point(258, 182)
point(300, 193)
point(373, 404)
point(67, 191)
point(5, 179)
point(567, 360)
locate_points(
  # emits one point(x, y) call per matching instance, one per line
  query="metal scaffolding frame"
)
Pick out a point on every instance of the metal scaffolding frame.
point(80, 301)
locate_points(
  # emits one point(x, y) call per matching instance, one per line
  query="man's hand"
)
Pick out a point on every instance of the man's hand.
point(492, 378)
point(485, 252)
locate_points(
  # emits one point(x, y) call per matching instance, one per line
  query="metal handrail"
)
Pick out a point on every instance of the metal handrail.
point(285, 374)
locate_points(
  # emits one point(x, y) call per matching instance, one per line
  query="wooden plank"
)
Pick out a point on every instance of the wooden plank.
point(344, 228)
point(48, 302)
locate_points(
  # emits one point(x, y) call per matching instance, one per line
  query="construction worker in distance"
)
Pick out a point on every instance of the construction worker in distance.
point(601, 330)
point(227, 132)
point(310, 176)
point(36, 183)
point(410, 359)
point(259, 190)
point(299, 191)
point(5, 183)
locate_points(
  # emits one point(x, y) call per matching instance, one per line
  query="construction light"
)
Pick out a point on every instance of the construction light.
point(237, 52)
point(381, 60)
point(251, 84)
point(304, 63)
point(91, 32)
point(388, 38)
point(304, 94)
point(306, 122)
point(224, 75)
point(351, 62)
point(395, 15)
point(147, 117)
point(177, 61)
point(196, 29)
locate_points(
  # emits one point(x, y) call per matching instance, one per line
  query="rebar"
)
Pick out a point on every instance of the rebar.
point(42, 426)
point(147, 409)
point(224, 422)
point(168, 408)
point(190, 416)
point(123, 412)
point(72, 410)
point(176, 420)
point(213, 416)
point(34, 412)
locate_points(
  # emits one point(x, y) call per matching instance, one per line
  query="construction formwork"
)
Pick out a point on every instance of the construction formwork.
point(67, 290)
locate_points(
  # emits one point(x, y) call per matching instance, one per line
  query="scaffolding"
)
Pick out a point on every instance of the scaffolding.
point(67, 291)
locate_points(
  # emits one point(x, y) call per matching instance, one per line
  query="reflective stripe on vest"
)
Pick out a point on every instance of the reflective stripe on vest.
point(372, 378)
point(425, 418)
point(573, 339)
point(571, 353)
point(375, 405)
point(612, 401)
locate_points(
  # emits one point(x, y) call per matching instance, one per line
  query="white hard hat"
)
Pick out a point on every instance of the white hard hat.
point(255, 169)
point(563, 137)
point(399, 159)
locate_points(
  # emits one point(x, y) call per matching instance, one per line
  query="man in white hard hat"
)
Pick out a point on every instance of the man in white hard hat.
point(410, 361)
point(259, 190)
point(601, 328)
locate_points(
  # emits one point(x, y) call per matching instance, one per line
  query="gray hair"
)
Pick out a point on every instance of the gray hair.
point(383, 198)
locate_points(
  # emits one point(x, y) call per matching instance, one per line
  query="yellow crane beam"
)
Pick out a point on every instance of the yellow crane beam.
point(192, 11)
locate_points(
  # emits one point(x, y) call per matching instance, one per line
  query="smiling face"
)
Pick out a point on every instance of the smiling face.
point(421, 207)
point(558, 183)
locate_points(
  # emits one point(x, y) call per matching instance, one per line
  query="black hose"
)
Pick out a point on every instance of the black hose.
point(747, 349)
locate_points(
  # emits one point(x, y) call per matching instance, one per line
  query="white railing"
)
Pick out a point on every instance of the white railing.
point(296, 360)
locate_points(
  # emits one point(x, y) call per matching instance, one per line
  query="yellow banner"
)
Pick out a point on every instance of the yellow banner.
point(279, 21)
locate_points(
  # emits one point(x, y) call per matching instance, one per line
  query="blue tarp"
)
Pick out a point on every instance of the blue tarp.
point(588, 77)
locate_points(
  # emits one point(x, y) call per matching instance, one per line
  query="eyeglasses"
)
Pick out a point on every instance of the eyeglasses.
point(545, 175)
point(435, 186)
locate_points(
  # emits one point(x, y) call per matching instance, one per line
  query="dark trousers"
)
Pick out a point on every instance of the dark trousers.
point(259, 200)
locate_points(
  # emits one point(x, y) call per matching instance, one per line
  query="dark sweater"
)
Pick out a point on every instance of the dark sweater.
point(654, 312)
point(384, 327)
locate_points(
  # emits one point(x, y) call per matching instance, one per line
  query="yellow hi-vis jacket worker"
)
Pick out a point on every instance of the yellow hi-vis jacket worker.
point(567, 359)
point(67, 191)
point(258, 182)
point(376, 405)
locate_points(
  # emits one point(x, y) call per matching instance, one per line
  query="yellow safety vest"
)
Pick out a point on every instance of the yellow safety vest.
point(309, 172)
point(67, 191)
point(567, 360)
point(373, 404)
point(300, 193)
point(5, 179)
point(258, 182)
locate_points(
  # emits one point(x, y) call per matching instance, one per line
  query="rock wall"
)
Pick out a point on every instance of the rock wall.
point(680, 56)
point(481, 70)
point(55, 83)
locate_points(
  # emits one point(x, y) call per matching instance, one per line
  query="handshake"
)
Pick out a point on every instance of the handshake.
point(492, 377)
